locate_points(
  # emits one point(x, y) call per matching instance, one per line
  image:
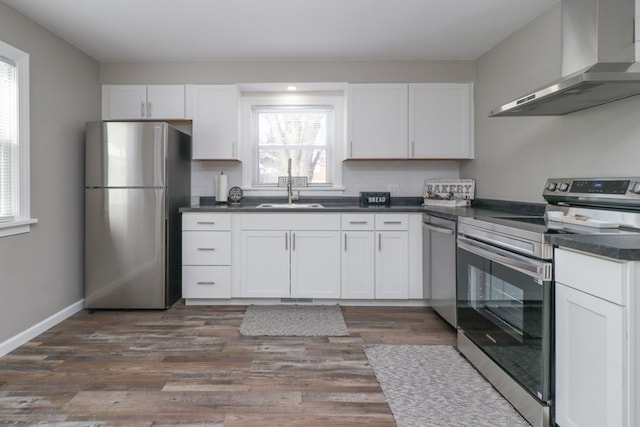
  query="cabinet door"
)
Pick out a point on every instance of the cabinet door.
point(377, 121)
point(358, 267)
point(315, 264)
point(165, 102)
point(590, 360)
point(214, 111)
point(124, 102)
point(392, 265)
point(264, 264)
point(440, 121)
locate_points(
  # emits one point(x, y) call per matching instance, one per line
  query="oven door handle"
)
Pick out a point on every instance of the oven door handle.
point(536, 269)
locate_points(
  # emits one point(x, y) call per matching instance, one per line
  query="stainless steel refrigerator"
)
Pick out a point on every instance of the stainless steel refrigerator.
point(138, 174)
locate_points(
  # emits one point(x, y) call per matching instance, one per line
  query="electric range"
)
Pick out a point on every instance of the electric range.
point(505, 283)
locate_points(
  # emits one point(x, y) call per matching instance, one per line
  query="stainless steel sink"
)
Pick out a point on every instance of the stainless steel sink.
point(290, 206)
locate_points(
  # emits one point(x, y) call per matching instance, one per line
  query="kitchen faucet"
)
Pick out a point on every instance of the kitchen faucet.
point(290, 195)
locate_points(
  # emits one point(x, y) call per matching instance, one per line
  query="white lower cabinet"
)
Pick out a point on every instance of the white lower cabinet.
point(290, 255)
point(206, 255)
point(392, 266)
point(350, 256)
point(596, 364)
point(392, 256)
point(205, 281)
point(265, 263)
point(358, 266)
point(315, 264)
point(358, 256)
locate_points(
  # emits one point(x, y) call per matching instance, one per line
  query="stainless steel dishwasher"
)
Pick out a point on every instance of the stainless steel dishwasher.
point(439, 265)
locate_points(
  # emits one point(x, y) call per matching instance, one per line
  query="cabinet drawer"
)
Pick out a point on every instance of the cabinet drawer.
point(357, 221)
point(602, 278)
point(392, 222)
point(206, 248)
point(205, 221)
point(206, 282)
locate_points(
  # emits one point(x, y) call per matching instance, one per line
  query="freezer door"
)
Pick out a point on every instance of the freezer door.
point(125, 154)
point(125, 248)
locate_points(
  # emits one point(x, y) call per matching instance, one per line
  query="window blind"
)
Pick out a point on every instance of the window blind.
point(8, 140)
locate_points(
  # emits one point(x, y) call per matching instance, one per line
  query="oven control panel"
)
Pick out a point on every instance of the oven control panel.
point(614, 190)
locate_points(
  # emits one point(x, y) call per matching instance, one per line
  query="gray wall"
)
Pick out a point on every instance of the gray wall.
point(42, 272)
point(228, 72)
point(357, 176)
point(514, 156)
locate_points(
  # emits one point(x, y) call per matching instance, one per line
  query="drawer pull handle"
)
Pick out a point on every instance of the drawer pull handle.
point(393, 222)
point(206, 222)
point(206, 249)
point(206, 283)
point(357, 222)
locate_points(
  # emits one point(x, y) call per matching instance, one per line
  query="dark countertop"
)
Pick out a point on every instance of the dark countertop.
point(621, 247)
point(398, 204)
point(327, 207)
point(330, 204)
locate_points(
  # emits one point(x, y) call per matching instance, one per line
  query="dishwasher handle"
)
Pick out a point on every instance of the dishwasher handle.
point(438, 229)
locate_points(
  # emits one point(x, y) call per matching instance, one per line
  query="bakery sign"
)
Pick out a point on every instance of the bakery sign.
point(449, 192)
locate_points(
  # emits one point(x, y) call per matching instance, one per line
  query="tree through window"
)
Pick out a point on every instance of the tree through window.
point(299, 133)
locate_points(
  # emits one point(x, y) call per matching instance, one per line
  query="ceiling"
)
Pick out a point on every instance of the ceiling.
point(209, 30)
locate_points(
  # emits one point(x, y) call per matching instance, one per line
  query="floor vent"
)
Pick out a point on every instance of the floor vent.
point(296, 300)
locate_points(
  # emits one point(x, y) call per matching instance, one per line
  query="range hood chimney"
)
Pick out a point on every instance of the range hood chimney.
point(598, 65)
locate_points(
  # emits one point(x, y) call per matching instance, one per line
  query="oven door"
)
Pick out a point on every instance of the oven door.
point(504, 307)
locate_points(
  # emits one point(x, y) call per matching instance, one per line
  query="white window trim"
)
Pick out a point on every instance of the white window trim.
point(22, 222)
point(248, 153)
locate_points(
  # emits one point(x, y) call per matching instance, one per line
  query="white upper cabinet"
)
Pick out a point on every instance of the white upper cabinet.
point(377, 121)
point(441, 121)
point(143, 102)
point(214, 112)
point(410, 121)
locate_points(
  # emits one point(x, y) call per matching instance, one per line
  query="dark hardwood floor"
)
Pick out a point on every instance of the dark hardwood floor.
point(189, 366)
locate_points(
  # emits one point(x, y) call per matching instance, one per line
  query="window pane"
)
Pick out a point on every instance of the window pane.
point(311, 163)
point(299, 133)
point(294, 128)
point(8, 140)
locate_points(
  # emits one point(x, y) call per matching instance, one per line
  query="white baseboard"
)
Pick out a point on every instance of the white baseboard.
point(29, 334)
point(316, 301)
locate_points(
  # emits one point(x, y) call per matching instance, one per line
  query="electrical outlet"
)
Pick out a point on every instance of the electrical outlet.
point(394, 189)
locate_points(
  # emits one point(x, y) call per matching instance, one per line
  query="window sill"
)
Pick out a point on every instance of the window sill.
point(16, 227)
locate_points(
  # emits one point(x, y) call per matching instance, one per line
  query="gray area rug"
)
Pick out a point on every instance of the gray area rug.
point(293, 320)
point(434, 386)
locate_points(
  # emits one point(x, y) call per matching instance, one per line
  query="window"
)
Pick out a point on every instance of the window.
point(302, 134)
point(8, 139)
point(306, 127)
point(14, 141)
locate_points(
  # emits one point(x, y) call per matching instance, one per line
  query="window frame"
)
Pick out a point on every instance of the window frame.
point(249, 149)
point(21, 222)
point(328, 110)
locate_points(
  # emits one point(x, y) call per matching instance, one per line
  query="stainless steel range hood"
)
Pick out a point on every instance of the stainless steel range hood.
point(598, 65)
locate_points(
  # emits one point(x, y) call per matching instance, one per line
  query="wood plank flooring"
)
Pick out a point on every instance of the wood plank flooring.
point(188, 366)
